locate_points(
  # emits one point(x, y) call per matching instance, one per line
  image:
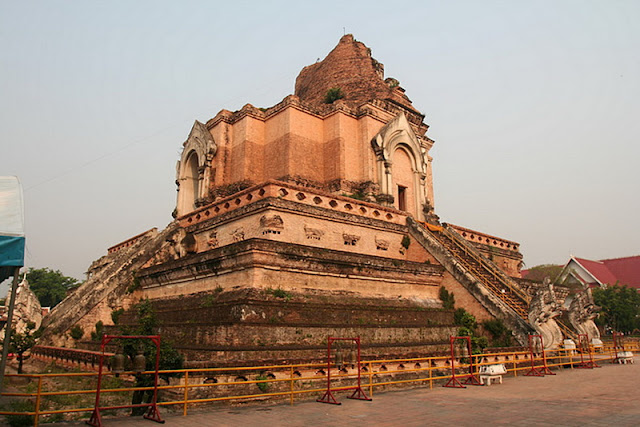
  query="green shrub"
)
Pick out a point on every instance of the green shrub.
point(356, 195)
point(333, 94)
point(392, 82)
point(279, 293)
point(134, 285)
point(97, 334)
point(463, 318)
point(478, 344)
point(208, 301)
point(264, 387)
point(115, 315)
point(499, 332)
point(20, 420)
point(467, 323)
point(76, 332)
point(447, 298)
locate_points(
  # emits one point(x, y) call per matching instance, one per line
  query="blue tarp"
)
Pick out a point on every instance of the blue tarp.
point(11, 226)
point(11, 251)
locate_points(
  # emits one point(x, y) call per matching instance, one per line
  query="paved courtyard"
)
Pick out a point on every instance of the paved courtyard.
point(605, 396)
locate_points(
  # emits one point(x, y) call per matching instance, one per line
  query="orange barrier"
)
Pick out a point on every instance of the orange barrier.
point(299, 379)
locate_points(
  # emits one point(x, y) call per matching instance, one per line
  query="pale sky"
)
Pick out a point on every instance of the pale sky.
point(534, 107)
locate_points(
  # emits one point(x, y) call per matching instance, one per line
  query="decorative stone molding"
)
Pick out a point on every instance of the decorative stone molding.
point(285, 191)
point(194, 166)
point(213, 239)
point(487, 239)
point(350, 239)
point(189, 244)
point(238, 234)
point(271, 224)
point(382, 244)
point(398, 133)
point(313, 233)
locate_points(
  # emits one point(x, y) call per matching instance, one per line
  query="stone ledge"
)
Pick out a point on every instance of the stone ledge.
point(300, 197)
point(254, 253)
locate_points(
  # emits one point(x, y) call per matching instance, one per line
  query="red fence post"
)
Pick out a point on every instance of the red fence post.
point(358, 393)
point(152, 414)
point(471, 376)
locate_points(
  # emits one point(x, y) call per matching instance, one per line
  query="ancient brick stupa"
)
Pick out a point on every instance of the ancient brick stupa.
point(310, 218)
point(346, 130)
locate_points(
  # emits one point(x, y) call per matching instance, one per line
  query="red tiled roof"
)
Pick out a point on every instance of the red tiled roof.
point(625, 271)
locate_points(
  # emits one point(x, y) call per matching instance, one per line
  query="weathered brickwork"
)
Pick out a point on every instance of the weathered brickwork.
point(296, 222)
point(350, 67)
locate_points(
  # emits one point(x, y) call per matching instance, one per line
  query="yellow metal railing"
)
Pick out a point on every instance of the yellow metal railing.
point(566, 331)
point(522, 299)
point(294, 380)
point(489, 268)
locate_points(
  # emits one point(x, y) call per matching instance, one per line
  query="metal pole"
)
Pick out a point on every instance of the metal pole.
point(291, 385)
point(38, 399)
point(7, 328)
point(329, 342)
point(96, 418)
point(370, 379)
point(186, 393)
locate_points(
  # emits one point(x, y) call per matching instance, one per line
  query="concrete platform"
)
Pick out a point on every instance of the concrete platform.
point(603, 396)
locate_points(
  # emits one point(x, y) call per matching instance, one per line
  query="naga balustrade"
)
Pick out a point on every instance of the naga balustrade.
point(69, 355)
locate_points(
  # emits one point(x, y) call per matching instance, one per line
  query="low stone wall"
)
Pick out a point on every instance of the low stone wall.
point(227, 328)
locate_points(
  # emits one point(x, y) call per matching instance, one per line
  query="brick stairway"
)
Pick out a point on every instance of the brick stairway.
point(489, 275)
point(499, 294)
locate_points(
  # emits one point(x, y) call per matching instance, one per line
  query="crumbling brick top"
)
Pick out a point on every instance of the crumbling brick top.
point(350, 67)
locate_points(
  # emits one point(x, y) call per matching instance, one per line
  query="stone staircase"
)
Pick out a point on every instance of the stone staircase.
point(104, 290)
point(490, 275)
point(496, 291)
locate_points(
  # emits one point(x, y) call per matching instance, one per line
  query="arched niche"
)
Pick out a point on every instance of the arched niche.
point(403, 179)
point(193, 170)
point(189, 190)
point(402, 168)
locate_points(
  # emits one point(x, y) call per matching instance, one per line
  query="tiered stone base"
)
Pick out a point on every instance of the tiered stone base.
point(254, 326)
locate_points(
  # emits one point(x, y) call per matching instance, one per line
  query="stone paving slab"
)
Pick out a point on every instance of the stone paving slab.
point(574, 397)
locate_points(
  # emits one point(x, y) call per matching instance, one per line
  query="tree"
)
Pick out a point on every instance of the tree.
point(49, 286)
point(539, 272)
point(620, 308)
point(20, 343)
point(170, 358)
point(447, 298)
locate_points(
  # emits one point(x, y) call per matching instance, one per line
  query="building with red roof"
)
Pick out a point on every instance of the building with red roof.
point(603, 273)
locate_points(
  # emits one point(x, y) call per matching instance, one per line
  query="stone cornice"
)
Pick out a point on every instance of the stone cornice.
point(375, 108)
point(302, 198)
point(298, 209)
